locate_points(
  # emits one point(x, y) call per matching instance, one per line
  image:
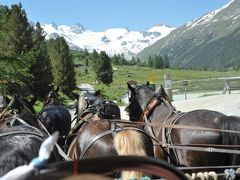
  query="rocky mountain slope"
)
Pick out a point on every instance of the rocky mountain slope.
point(209, 42)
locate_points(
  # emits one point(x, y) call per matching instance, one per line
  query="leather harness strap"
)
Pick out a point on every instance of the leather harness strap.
point(20, 133)
point(116, 128)
point(178, 126)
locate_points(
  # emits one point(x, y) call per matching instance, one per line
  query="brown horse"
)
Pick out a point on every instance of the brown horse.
point(16, 112)
point(198, 131)
point(95, 135)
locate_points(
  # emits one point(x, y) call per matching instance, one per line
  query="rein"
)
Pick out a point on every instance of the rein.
point(22, 133)
point(177, 126)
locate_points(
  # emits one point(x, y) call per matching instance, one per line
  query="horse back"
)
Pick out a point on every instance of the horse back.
point(18, 146)
point(200, 128)
point(56, 118)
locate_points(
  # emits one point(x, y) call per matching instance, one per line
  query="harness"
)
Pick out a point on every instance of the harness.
point(115, 128)
point(39, 123)
point(171, 119)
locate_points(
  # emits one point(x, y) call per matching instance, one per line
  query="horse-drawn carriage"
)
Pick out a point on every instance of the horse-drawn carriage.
point(195, 141)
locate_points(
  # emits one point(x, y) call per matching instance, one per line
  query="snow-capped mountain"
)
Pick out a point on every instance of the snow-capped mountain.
point(113, 41)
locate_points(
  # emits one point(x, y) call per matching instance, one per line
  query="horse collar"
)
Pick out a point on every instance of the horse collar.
point(153, 103)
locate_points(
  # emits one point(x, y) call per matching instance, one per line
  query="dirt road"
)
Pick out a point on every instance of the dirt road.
point(228, 104)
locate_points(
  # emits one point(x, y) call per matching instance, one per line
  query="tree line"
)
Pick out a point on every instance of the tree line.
point(31, 65)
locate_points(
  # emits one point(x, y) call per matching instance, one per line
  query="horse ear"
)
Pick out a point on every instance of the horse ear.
point(75, 95)
point(147, 84)
point(7, 99)
point(97, 93)
point(160, 90)
point(131, 87)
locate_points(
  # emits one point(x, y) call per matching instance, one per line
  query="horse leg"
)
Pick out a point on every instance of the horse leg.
point(130, 142)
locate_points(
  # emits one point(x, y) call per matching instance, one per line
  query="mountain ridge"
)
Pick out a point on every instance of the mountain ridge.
point(113, 40)
point(208, 42)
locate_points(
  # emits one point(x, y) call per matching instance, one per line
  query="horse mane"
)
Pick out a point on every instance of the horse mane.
point(131, 142)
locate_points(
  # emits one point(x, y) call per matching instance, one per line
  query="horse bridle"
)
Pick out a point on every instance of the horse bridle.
point(154, 102)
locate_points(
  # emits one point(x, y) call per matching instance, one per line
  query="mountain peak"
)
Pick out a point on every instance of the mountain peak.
point(208, 42)
point(161, 24)
point(54, 25)
point(113, 40)
point(77, 28)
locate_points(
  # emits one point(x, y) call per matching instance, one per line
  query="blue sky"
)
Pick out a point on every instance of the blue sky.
point(99, 15)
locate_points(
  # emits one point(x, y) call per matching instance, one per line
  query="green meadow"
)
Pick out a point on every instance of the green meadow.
point(198, 81)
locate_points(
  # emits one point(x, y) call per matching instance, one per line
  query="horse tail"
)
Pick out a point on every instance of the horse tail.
point(231, 123)
point(131, 142)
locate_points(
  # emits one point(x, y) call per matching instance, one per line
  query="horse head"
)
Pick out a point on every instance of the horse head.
point(52, 98)
point(141, 97)
point(19, 113)
point(93, 103)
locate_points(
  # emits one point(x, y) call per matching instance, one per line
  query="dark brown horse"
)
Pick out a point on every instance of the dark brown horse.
point(88, 102)
point(95, 135)
point(16, 112)
point(198, 131)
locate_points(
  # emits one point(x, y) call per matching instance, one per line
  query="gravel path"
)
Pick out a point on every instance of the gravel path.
point(228, 104)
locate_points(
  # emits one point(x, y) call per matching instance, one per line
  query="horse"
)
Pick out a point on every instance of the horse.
point(187, 145)
point(19, 145)
point(99, 134)
point(20, 136)
point(88, 101)
point(16, 112)
point(55, 117)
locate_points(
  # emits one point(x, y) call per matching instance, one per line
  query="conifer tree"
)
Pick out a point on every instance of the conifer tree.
point(41, 75)
point(17, 38)
point(62, 64)
point(15, 48)
point(166, 62)
point(103, 68)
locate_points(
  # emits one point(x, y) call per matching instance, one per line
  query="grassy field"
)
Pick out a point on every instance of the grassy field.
point(198, 81)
